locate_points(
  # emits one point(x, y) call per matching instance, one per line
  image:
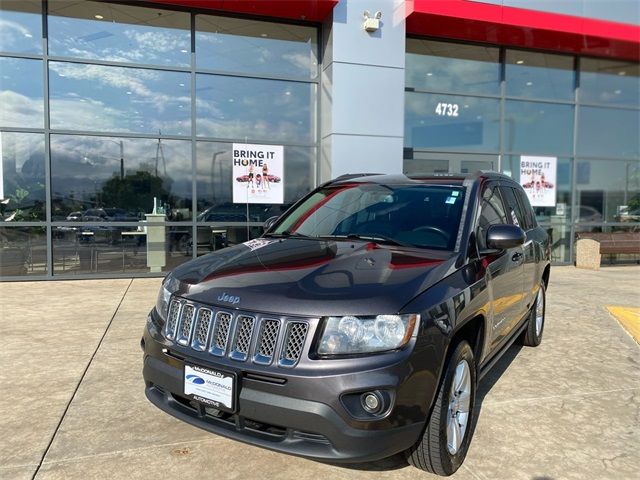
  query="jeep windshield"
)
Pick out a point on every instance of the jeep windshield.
point(414, 215)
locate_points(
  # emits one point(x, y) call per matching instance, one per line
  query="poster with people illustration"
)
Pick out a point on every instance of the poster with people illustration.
point(538, 178)
point(258, 173)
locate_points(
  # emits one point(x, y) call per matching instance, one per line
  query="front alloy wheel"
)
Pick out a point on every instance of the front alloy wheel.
point(443, 446)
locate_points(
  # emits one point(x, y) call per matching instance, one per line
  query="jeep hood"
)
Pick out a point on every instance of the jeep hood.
point(313, 277)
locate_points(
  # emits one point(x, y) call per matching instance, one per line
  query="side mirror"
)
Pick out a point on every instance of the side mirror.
point(269, 223)
point(501, 237)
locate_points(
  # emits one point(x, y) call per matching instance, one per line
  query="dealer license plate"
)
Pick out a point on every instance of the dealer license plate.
point(210, 387)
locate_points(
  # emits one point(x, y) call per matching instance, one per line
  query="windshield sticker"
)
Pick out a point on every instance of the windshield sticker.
point(451, 200)
point(257, 243)
point(455, 193)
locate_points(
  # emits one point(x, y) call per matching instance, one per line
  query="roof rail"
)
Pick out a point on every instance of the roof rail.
point(348, 176)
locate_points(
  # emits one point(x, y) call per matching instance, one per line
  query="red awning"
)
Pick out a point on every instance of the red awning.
point(309, 10)
point(518, 27)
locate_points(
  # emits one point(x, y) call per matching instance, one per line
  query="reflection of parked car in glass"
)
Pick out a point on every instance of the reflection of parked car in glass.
point(74, 216)
point(589, 214)
point(629, 215)
point(108, 215)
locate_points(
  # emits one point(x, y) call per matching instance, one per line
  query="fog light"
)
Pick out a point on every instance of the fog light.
point(371, 402)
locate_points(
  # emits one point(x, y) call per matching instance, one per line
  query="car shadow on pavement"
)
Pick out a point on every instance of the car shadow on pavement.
point(399, 460)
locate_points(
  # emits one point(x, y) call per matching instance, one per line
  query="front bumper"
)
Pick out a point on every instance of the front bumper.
point(302, 416)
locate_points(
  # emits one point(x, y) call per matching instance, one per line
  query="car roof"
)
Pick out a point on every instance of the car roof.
point(428, 179)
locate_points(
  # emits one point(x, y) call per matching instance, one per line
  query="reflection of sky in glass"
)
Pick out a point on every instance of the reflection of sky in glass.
point(539, 75)
point(532, 127)
point(232, 107)
point(214, 176)
point(451, 67)
point(21, 26)
point(475, 128)
point(117, 99)
point(123, 34)
point(23, 175)
point(624, 11)
point(611, 82)
point(608, 132)
point(236, 45)
point(21, 93)
point(80, 165)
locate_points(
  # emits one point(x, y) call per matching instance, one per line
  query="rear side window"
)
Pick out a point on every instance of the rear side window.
point(491, 213)
point(515, 213)
point(527, 210)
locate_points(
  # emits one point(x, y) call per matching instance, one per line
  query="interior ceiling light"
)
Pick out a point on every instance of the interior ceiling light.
point(264, 35)
point(99, 17)
point(519, 62)
point(622, 73)
point(429, 74)
point(529, 84)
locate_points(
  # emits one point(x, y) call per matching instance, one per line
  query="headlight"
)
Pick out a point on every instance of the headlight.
point(349, 334)
point(169, 285)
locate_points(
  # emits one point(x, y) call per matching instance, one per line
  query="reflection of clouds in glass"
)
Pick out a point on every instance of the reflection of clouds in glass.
point(16, 36)
point(21, 147)
point(21, 111)
point(133, 34)
point(87, 114)
point(139, 100)
point(272, 110)
point(301, 61)
point(158, 42)
point(437, 73)
point(138, 47)
point(254, 129)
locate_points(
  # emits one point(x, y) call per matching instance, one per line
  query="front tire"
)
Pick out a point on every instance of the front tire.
point(445, 441)
point(532, 336)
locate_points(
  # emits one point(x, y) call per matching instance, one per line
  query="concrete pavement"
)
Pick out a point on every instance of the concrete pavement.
point(73, 405)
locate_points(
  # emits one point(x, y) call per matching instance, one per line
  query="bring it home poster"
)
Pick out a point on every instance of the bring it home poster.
point(258, 173)
point(538, 178)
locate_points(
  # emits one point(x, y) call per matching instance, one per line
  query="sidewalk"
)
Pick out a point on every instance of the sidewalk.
point(73, 405)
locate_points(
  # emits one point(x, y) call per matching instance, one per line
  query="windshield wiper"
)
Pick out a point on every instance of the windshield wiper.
point(288, 234)
point(376, 237)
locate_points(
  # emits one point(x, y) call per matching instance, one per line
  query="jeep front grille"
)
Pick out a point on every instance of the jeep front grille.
point(203, 325)
point(242, 341)
point(172, 319)
point(239, 336)
point(296, 335)
point(186, 322)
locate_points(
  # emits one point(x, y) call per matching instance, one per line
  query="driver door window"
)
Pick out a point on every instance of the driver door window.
point(491, 213)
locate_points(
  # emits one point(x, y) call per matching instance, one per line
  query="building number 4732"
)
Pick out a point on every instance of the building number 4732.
point(447, 109)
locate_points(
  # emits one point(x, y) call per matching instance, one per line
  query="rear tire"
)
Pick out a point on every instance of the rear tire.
point(445, 441)
point(532, 336)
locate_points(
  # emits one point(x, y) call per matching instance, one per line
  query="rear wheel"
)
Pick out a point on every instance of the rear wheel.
point(532, 336)
point(445, 441)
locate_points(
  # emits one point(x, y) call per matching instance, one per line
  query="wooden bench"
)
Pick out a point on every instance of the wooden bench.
point(590, 246)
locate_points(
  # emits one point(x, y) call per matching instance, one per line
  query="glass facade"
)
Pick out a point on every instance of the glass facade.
point(585, 112)
point(107, 109)
point(119, 106)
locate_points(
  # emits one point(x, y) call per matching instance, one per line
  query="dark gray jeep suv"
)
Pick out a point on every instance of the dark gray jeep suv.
point(359, 324)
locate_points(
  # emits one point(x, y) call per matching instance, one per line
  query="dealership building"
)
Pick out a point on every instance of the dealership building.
point(120, 121)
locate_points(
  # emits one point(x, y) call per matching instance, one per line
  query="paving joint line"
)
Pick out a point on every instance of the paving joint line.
point(130, 450)
point(75, 391)
point(550, 397)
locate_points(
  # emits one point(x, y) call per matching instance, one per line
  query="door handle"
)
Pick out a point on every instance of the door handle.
point(516, 257)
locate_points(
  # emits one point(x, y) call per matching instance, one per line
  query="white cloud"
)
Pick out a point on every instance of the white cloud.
point(21, 111)
point(13, 33)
